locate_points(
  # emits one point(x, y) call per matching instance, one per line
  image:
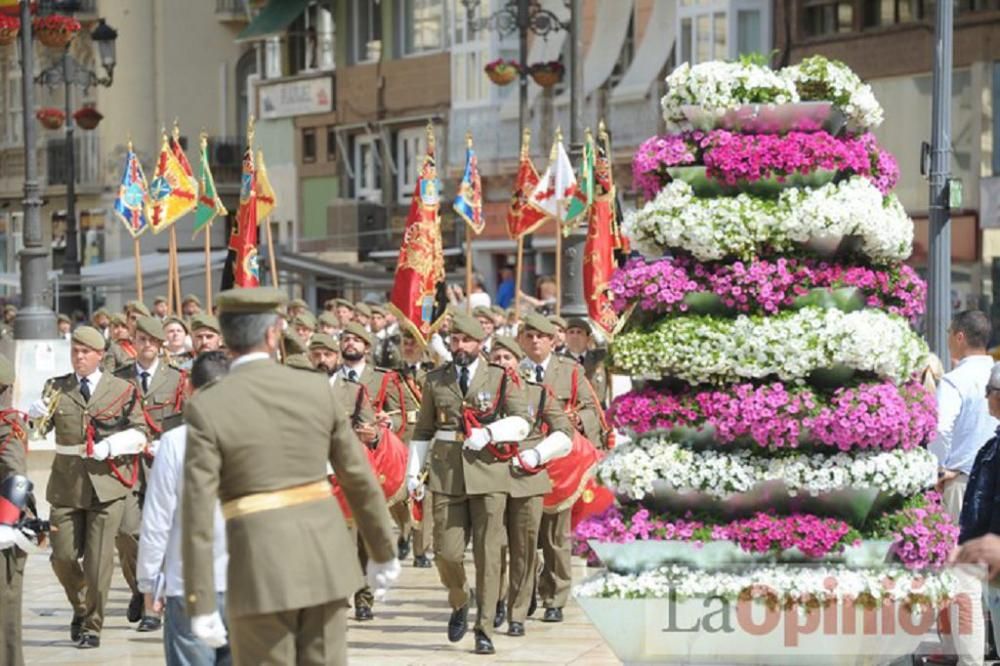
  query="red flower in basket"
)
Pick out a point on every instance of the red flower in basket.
point(51, 118)
point(10, 26)
point(502, 72)
point(547, 74)
point(55, 31)
point(87, 117)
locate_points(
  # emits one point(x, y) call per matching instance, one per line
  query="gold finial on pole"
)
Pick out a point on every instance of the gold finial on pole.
point(128, 141)
point(468, 138)
point(525, 142)
point(430, 135)
point(556, 140)
point(602, 134)
point(250, 130)
point(203, 138)
point(177, 129)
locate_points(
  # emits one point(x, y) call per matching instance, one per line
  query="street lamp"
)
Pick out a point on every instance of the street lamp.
point(68, 71)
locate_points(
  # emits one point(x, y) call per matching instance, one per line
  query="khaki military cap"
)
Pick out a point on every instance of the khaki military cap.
point(299, 362)
point(248, 300)
point(510, 344)
point(558, 321)
point(159, 299)
point(175, 320)
point(65, 318)
point(377, 309)
point(152, 327)
point(138, 306)
point(354, 328)
point(578, 322)
point(363, 309)
point(89, 337)
point(329, 319)
point(191, 298)
point(205, 320)
point(10, 308)
point(540, 323)
point(323, 341)
point(6, 371)
point(463, 323)
point(482, 311)
point(117, 318)
point(343, 302)
point(100, 311)
point(293, 344)
point(305, 319)
point(298, 303)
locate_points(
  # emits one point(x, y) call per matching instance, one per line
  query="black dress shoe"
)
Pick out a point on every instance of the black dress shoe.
point(75, 627)
point(149, 623)
point(403, 547)
point(458, 624)
point(552, 615)
point(483, 644)
point(515, 629)
point(363, 614)
point(88, 641)
point(134, 612)
point(501, 615)
point(422, 562)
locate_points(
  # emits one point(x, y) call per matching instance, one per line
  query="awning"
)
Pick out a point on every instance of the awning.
point(272, 20)
point(302, 264)
point(609, 35)
point(652, 53)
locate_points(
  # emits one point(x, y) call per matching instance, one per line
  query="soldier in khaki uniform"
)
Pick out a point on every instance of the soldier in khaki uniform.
point(13, 461)
point(190, 306)
point(162, 390)
point(386, 352)
point(579, 347)
point(205, 333)
point(120, 350)
point(470, 482)
point(328, 324)
point(100, 431)
point(413, 369)
point(484, 316)
point(259, 440)
point(565, 378)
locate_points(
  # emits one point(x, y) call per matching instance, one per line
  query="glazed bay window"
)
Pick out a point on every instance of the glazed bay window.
point(421, 26)
point(827, 17)
point(410, 147)
point(366, 30)
point(367, 168)
point(890, 12)
point(722, 29)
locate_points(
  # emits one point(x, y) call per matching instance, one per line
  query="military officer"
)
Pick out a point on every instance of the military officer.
point(100, 430)
point(101, 320)
point(363, 315)
point(190, 306)
point(386, 351)
point(344, 310)
point(13, 462)
point(324, 352)
point(160, 308)
point(549, 439)
point(485, 318)
point(175, 345)
point(290, 566)
point(580, 348)
point(560, 324)
point(294, 352)
point(328, 324)
point(296, 307)
point(205, 333)
point(413, 369)
point(162, 390)
point(304, 325)
point(470, 481)
point(120, 350)
point(565, 378)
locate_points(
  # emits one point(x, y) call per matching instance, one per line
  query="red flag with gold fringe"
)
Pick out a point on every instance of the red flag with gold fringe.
point(602, 241)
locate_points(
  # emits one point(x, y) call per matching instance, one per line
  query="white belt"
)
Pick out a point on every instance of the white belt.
point(72, 450)
point(449, 436)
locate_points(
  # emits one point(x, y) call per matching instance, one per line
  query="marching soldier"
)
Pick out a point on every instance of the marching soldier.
point(304, 325)
point(294, 352)
point(121, 351)
point(469, 409)
point(413, 369)
point(549, 440)
point(568, 384)
point(100, 431)
point(324, 353)
point(363, 315)
point(205, 333)
point(579, 347)
point(297, 306)
point(560, 324)
point(101, 320)
point(344, 310)
point(386, 352)
point(190, 306)
point(175, 345)
point(291, 558)
point(485, 318)
point(14, 498)
point(162, 390)
point(160, 308)
point(328, 324)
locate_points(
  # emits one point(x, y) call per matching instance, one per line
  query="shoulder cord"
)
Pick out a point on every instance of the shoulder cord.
point(380, 399)
point(12, 418)
point(180, 394)
point(103, 421)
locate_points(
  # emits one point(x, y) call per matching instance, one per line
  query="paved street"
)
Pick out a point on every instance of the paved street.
point(408, 629)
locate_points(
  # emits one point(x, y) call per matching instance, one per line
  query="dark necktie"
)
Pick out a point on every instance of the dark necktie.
point(413, 369)
point(539, 373)
point(144, 379)
point(85, 389)
point(463, 379)
point(352, 375)
point(583, 358)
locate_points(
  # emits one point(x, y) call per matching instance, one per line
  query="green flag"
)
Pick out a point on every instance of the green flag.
point(209, 203)
point(584, 195)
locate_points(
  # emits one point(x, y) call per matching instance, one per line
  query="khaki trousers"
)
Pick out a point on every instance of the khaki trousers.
point(423, 530)
point(313, 636)
point(557, 572)
point(968, 637)
point(127, 540)
point(524, 515)
point(90, 534)
point(363, 598)
point(11, 586)
point(400, 512)
point(455, 518)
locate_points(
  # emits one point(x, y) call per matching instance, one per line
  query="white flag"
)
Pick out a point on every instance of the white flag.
point(557, 187)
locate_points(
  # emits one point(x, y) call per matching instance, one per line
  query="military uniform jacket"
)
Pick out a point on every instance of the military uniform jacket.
point(163, 403)
point(455, 470)
point(356, 407)
point(117, 356)
point(371, 378)
point(559, 378)
point(596, 370)
point(13, 443)
point(413, 383)
point(546, 417)
point(386, 351)
point(265, 427)
point(114, 406)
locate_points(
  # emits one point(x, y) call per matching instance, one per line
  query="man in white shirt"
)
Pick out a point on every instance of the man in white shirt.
point(160, 569)
point(964, 425)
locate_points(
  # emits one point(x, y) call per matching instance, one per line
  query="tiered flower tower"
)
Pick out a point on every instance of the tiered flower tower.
point(773, 497)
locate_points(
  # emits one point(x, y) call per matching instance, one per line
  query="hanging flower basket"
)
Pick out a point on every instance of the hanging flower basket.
point(55, 31)
point(503, 72)
point(547, 74)
point(51, 118)
point(87, 117)
point(10, 26)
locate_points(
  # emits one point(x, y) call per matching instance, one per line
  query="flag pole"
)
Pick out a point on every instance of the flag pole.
point(138, 268)
point(552, 158)
point(270, 250)
point(208, 270)
point(469, 233)
point(519, 263)
point(174, 272)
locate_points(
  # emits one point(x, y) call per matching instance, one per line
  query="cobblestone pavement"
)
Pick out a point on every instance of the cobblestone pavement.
point(410, 628)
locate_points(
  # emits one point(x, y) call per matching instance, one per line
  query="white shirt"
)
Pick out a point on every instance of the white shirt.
point(92, 379)
point(151, 371)
point(345, 372)
point(249, 358)
point(160, 534)
point(530, 365)
point(964, 421)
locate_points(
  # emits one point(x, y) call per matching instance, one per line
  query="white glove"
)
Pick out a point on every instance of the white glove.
point(478, 439)
point(153, 447)
point(127, 442)
point(531, 457)
point(210, 629)
point(8, 537)
point(415, 487)
point(38, 408)
point(381, 576)
point(102, 450)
